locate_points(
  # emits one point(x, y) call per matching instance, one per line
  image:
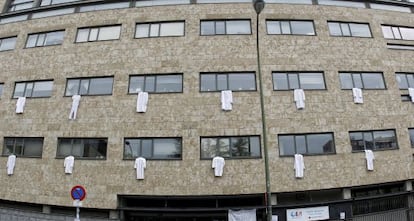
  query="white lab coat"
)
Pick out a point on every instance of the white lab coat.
point(357, 94)
point(299, 98)
point(369, 156)
point(299, 165)
point(75, 105)
point(69, 163)
point(11, 162)
point(227, 100)
point(411, 93)
point(21, 101)
point(140, 164)
point(242, 215)
point(218, 165)
point(142, 101)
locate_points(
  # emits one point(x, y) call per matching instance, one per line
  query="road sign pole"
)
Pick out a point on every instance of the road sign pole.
point(77, 214)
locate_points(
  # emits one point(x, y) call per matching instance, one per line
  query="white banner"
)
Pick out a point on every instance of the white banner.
point(308, 214)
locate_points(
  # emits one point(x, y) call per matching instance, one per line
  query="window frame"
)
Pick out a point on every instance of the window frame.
point(373, 139)
point(5, 38)
point(72, 139)
point(225, 26)
point(298, 73)
point(152, 147)
point(406, 79)
point(362, 81)
point(32, 82)
point(155, 82)
point(23, 146)
point(12, 7)
point(89, 79)
point(230, 137)
point(306, 143)
point(45, 33)
point(392, 27)
point(409, 136)
point(290, 26)
point(227, 80)
point(350, 29)
point(159, 29)
point(89, 28)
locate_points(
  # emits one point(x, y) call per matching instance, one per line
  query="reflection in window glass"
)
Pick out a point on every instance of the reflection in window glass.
point(225, 27)
point(83, 148)
point(395, 32)
point(362, 80)
point(349, 29)
point(290, 27)
point(308, 144)
point(160, 29)
point(411, 132)
point(7, 43)
point(230, 147)
point(163, 83)
point(405, 80)
point(228, 81)
point(23, 147)
point(89, 86)
point(98, 33)
point(373, 140)
point(33, 89)
point(45, 39)
point(153, 148)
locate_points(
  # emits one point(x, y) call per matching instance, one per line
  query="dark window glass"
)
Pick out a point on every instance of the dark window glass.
point(349, 29)
point(89, 86)
point(373, 140)
point(295, 80)
point(362, 80)
point(411, 132)
point(225, 27)
point(156, 83)
point(153, 148)
point(230, 147)
point(83, 148)
point(228, 81)
point(33, 89)
point(23, 147)
point(290, 27)
point(307, 144)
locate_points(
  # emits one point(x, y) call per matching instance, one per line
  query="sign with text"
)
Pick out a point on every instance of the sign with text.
point(308, 214)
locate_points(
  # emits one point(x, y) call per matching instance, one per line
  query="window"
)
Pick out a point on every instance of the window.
point(230, 147)
point(362, 80)
point(290, 27)
point(7, 43)
point(160, 29)
point(1, 88)
point(17, 5)
point(83, 148)
point(307, 144)
point(33, 89)
point(295, 80)
point(153, 148)
point(373, 140)
point(349, 29)
point(225, 27)
point(89, 86)
point(23, 146)
point(398, 33)
point(98, 33)
point(54, 2)
point(228, 81)
point(45, 39)
point(405, 80)
point(168, 83)
point(411, 132)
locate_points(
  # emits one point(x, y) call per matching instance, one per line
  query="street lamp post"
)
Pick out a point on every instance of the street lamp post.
point(258, 7)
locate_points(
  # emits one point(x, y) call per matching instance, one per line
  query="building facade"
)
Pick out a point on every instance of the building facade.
point(184, 53)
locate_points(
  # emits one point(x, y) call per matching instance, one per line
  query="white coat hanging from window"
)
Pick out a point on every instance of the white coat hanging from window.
point(75, 105)
point(142, 101)
point(227, 100)
point(140, 165)
point(299, 165)
point(69, 163)
point(411, 93)
point(369, 157)
point(242, 215)
point(299, 98)
point(357, 94)
point(218, 165)
point(21, 102)
point(11, 162)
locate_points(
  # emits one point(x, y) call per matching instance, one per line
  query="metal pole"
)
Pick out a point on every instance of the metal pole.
point(262, 110)
point(77, 214)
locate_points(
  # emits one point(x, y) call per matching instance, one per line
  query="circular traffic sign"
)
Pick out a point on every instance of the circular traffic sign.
point(78, 193)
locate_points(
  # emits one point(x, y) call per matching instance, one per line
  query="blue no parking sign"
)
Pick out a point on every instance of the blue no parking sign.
point(78, 193)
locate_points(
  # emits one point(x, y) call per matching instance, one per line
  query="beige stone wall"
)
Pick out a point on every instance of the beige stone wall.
point(192, 114)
